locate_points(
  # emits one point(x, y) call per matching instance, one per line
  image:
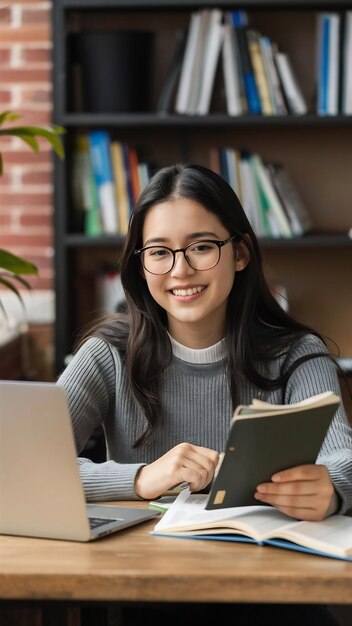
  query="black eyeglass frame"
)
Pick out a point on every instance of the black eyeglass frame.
point(219, 244)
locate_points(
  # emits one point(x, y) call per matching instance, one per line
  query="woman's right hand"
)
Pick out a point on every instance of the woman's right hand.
point(183, 463)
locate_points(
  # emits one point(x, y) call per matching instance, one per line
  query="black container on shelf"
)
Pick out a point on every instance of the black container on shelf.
point(114, 70)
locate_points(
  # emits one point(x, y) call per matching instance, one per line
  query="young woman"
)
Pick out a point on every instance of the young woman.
point(202, 334)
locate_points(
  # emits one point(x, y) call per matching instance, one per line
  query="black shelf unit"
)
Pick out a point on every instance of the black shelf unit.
point(140, 120)
point(187, 131)
point(318, 240)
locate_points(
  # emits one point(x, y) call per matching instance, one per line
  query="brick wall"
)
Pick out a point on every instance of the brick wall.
point(26, 202)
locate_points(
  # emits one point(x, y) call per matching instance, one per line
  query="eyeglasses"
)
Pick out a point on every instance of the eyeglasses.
point(200, 255)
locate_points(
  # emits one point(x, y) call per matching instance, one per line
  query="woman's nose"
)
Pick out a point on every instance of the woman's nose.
point(181, 267)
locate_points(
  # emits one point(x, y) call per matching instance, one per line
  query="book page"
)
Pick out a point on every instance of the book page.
point(311, 401)
point(333, 535)
point(188, 513)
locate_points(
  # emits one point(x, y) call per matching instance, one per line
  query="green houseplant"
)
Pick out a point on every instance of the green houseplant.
point(12, 267)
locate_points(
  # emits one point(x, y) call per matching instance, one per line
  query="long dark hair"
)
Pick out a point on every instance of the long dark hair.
point(257, 328)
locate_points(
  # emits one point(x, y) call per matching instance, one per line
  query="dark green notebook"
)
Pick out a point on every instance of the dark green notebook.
point(265, 439)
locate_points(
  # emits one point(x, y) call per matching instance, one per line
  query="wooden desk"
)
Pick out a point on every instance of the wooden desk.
point(134, 566)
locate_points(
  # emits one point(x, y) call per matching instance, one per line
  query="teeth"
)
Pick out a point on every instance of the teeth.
point(187, 292)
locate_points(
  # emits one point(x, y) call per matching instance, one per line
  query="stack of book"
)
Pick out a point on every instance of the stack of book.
point(334, 63)
point(258, 78)
point(269, 196)
point(108, 178)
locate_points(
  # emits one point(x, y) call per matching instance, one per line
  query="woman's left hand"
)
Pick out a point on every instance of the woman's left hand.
point(304, 492)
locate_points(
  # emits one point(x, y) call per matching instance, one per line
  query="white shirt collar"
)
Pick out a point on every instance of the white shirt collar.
point(214, 353)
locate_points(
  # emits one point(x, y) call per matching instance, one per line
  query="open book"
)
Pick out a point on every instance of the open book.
point(263, 525)
point(266, 438)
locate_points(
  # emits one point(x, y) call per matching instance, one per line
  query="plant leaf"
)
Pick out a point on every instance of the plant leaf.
point(50, 133)
point(9, 116)
point(20, 279)
point(15, 264)
point(26, 137)
point(9, 285)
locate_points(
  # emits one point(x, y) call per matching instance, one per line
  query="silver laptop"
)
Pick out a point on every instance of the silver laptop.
point(41, 494)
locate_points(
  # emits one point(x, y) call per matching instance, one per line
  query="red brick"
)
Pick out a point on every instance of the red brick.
point(35, 116)
point(5, 15)
point(36, 95)
point(36, 220)
point(25, 239)
point(36, 55)
point(25, 34)
point(45, 284)
point(39, 259)
point(37, 178)
point(17, 144)
point(5, 179)
point(35, 16)
point(25, 75)
point(5, 55)
point(5, 97)
point(26, 199)
point(21, 156)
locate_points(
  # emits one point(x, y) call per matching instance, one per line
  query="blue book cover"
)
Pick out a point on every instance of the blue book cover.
point(100, 152)
point(240, 22)
point(323, 65)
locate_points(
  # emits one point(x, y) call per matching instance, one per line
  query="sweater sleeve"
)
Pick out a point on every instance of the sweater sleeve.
point(89, 383)
point(310, 378)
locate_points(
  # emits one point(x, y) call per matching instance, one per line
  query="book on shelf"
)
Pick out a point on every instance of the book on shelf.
point(123, 206)
point(100, 151)
point(236, 103)
point(346, 73)
point(232, 158)
point(292, 91)
point(334, 64)
point(189, 60)
point(278, 100)
point(85, 192)
point(267, 192)
point(198, 61)
point(291, 199)
point(188, 517)
point(129, 183)
point(328, 63)
point(240, 22)
point(213, 41)
point(133, 167)
point(259, 69)
point(323, 28)
point(271, 205)
point(253, 204)
point(167, 93)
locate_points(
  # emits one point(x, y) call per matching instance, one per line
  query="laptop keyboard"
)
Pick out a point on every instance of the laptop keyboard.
point(95, 522)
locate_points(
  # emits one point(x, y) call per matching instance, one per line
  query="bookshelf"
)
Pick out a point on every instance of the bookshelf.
point(315, 149)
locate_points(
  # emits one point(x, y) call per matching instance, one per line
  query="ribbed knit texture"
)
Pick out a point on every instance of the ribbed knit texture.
point(197, 409)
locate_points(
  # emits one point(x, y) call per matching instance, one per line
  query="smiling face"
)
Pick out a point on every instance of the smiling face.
point(195, 300)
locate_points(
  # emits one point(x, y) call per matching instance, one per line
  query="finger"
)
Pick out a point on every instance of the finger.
point(200, 456)
point(307, 488)
point(301, 472)
point(196, 479)
point(300, 502)
point(308, 515)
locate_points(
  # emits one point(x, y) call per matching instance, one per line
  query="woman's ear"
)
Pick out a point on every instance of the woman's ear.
point(242, 256)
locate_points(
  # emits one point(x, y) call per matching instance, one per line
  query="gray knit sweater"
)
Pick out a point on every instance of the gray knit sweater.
point(197, 409)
